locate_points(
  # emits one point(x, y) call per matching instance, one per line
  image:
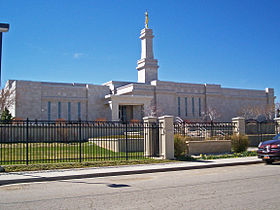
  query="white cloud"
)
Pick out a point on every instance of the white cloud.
point(78, 55)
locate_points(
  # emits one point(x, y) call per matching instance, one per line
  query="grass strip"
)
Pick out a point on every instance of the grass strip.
point(233, 155)
point(54, 166)
point(219, 156)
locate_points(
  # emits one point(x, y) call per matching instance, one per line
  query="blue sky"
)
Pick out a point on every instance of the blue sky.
point(234, 43)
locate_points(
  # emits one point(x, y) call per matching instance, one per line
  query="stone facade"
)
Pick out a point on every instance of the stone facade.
point(51, 101)
point(117, 100)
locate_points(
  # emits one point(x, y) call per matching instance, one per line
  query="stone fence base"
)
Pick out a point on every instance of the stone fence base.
point(212, 146)
point(120, 145)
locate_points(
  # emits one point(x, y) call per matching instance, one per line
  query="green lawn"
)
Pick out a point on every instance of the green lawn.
point(59, 152)
point(65, 165)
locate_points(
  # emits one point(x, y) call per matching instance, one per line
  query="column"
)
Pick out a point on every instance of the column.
point(166, 137)
point(114, 105)
point(148, 135)
point(239, 123)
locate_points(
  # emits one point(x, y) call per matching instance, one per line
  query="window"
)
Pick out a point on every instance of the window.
point(79, 110)
point(69, 110)
point(49, 110)
point(59, 110)
point(199, 107)
point(179, 106)
point(186, 106)
point(193, 106)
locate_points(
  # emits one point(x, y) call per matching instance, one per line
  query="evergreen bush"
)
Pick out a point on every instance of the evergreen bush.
point(180, 145)
point(239, 143)
point(6, 116)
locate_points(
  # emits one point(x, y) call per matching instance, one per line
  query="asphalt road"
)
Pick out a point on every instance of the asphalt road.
point(239, 187)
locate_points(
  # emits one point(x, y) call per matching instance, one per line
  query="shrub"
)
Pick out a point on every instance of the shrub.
point(180, 145)
point(239, 143)
point(6, 116)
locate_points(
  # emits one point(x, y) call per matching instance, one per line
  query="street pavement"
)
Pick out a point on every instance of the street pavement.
point(67, 174)
point(254, 186)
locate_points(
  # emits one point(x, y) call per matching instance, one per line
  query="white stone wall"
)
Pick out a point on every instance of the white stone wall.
point(96, 102)
point(32, 100)
point(167, 94)
point(227, 102)
point(28, 100)
point(137, 112)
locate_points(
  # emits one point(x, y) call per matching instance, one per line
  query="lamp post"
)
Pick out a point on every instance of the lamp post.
point(4, 27)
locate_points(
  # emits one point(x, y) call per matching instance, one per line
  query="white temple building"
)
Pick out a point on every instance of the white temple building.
point(117, 100)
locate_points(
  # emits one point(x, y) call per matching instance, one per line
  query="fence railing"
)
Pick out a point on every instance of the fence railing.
point(204, 130)
point(259, 131)
point(28, 142)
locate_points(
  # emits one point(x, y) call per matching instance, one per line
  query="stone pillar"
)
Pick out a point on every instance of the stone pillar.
point(115, 110)
point(239, 125)
point(148, 134)
point(270, 97)
point(277, 120)
point(166, 137)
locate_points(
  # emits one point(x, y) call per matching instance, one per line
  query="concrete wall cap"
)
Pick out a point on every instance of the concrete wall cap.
point(149, 118)
point(238, 118)
point(165, 116)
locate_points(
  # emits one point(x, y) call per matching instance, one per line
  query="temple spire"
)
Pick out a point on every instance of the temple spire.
point(147, 66)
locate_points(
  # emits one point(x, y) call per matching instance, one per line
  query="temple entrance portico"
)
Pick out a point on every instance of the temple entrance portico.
point(128, 107)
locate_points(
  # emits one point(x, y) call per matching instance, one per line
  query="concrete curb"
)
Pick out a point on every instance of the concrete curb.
point(128, 172)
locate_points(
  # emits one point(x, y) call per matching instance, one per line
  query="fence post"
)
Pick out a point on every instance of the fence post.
point(277, 120)
point(148, 135)
point(126, 144)
point(166, 137)
point(1, 168)
point(239, 127)
point(80, 137)
point(212, 128)
point(26, 138)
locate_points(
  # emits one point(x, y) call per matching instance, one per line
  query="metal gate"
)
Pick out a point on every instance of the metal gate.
point(151, 139)
point(259, 131)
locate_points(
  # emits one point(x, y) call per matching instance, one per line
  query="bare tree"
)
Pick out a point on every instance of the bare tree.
point(258, 112)
point(7, 96)
point(211, 113)
point(153, 110)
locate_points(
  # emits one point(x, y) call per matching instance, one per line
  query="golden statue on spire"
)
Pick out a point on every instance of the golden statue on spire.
point(147, 19)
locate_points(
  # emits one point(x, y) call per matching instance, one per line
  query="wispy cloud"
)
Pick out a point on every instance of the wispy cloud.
point(35, 47)
point(78, 55)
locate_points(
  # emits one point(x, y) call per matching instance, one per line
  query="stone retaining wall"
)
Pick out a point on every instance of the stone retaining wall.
point(205, 147)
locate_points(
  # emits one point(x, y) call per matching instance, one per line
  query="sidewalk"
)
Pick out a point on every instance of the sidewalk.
point(66, 174)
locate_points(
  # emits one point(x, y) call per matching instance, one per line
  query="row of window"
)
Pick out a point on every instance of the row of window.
point(192, 106)
point(68, 110)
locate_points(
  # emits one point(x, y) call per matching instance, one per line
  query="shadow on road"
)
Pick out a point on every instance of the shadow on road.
point(118, 185)
point(84, 182)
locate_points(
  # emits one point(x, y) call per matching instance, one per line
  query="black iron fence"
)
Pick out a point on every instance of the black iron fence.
point(204, 130)
point(28, 142)
point(259, 131)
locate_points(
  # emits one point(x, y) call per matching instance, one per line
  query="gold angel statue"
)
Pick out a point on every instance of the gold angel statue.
point(147, 19)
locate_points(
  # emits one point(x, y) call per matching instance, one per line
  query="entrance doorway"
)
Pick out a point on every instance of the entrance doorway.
point(131, 112)
point(125, 113)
